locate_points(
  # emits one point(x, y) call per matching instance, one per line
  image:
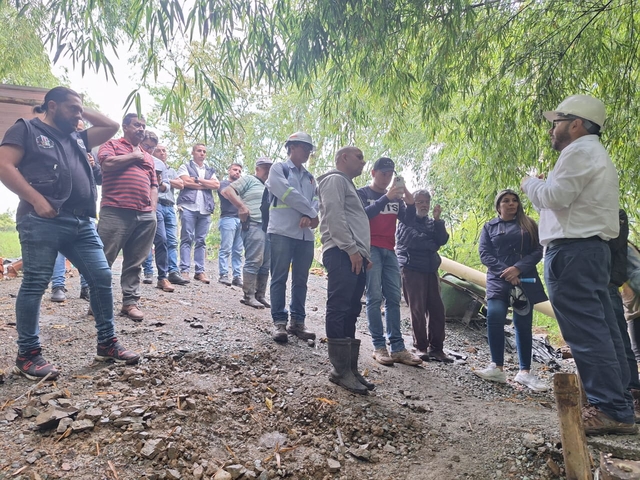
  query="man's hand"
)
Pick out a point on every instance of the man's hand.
point(395, 193)
point(437, 211)
point(511, 275)
point(526, 179)
point(243, 213)
point(305, 222)
point(315, 222)
point(408, 197)
point(138, 156)
point(44, 209)
point(356, 263)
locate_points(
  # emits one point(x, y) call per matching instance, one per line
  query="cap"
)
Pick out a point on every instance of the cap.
point(384, 164)
point(300, 137)
point(583, 106)
point(264, 161)
point(501, 194)
point(519, 301)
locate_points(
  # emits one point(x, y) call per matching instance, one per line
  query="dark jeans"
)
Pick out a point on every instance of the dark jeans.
point(522, 324)
point(634, 334)
point(344, 293)
point(75, 237)
point(160, 244)
point(618, 310)
point(422, 293)
point(577, 276)
point(297, 255)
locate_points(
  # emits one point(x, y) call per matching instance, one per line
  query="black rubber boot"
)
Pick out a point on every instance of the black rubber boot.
point(340, 358)
point(261, 288)
point(355, 354)
point(249, 287)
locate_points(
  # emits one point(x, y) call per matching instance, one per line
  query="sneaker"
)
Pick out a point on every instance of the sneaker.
point(237, 282)
point(114, 351)
point(84, 293)
point(58, 294)
point(597, 422)
point(177, 279)
point(381, 355)
point(492, 373)
point(148, 278)
point(33, 366)
point(201, 277)
point(165, 285)
point(406, 357)
point(224, 280)
point(531, 381)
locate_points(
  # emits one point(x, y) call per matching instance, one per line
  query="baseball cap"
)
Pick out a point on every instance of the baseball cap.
point(384, 164)
point(582, 106)
point(519, 301)
point(264, 161)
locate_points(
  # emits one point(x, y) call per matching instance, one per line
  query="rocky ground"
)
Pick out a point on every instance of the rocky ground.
point(215, 397)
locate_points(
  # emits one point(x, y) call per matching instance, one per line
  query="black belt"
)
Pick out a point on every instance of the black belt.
point(165, 203)
point(562, 241)
point(78, 212)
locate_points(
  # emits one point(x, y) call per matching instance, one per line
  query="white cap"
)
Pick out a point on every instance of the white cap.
point(583, 106)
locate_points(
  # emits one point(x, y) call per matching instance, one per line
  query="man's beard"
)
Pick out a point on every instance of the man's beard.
point(64, 124)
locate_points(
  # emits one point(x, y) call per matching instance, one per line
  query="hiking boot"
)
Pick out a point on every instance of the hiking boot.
point(84, 293)
point(33, 366)
point(177, 279)
point(406, 357)
point(114, 351)
point(381, 355)
point(224, 280)
point(280, 333)
point(529, 380)
point(201, 277)
point(301, 331)
point(148, 278)
point(438, 356)
point(261, 287)
point(133, 312)
point(237, 281)
point(597, 422)
point(339, 350)
point(636, 404)
point(58, 294)
point(492, 373)
point(165, 285)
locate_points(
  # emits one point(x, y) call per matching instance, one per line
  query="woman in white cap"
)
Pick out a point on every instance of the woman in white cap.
point(510, 250)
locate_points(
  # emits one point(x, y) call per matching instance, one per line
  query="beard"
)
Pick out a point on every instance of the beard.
point(560, 140)
point(65, 125)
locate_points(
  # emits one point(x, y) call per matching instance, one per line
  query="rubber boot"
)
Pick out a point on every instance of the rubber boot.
point(355, 353)
point(261, 288)
point(340, 358)
point(249, 288)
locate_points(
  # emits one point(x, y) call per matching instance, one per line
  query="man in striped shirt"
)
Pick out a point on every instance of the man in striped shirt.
point(127, 210)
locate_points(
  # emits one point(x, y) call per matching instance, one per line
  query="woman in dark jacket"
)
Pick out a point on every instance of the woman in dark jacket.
point(510, 250)
point(417, 250)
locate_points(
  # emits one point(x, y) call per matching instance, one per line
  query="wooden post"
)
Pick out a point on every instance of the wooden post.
point(574, 442)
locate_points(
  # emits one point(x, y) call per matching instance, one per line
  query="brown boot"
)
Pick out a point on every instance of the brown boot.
point(301, 331)
point(280, 333)
point(597, 422)
point(133, 312)
point(201, 277)
point(165, 285)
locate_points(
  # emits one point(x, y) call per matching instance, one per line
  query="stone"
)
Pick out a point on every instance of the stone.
point(173, 474)
point(198, 472)
point(361, 452)
point(64, 424)
point(333, 465)
point(389, 449)
point(29, 411)
point(152, 448)
point(46, 398)
point(52, 415)
point(532, 441)
point(222, 475)
point(10, 415)
point(236, 471)
point(82, 425)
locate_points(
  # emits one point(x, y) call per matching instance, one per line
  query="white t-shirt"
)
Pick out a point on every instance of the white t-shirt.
point(199, 205)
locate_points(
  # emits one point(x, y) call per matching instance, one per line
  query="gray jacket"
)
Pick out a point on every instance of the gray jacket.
point(343, 221)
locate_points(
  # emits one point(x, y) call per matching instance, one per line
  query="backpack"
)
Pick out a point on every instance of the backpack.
point(268, 199)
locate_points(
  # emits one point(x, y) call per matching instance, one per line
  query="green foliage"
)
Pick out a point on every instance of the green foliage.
point(9, 244)
point(7, 221)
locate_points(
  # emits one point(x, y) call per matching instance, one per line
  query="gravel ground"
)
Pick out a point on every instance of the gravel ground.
point(215, 397)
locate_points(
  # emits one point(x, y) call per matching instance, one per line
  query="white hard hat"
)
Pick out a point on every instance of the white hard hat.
point(583, 106)
point(300, 137)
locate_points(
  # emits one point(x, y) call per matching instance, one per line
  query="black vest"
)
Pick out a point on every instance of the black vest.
point(188, 195)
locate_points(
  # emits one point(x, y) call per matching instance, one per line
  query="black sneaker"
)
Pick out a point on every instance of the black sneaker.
point(33, 366)
point(84, 293)
point(148, 278)
point(114, 351)
point(237, 281)
point(58, 294)
point(177, 279)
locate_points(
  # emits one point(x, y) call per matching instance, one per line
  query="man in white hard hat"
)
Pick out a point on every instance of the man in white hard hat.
point(578, 206)
point(293, 213)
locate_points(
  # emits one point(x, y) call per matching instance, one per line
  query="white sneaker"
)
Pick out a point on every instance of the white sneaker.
point(492, 373)
point(531, 381)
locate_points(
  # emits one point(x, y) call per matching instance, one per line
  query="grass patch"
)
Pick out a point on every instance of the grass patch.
point(9, 244)
point(548, 325)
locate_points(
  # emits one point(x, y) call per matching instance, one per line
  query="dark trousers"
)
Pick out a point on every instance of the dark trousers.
point(344, 293)
point(618, 310)
point(422, 293)
point(577, 276)
point(634, 335)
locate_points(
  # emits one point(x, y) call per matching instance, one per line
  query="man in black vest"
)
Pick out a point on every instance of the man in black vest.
point(45, 163)
point(196, 203)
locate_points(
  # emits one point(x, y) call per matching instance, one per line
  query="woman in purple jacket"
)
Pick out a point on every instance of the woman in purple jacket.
point(510, 250)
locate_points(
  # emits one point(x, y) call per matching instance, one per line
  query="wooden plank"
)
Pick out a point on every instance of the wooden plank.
point(566, 389)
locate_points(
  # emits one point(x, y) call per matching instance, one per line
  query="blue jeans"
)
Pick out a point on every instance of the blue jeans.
point(288, 253)
point(257, 250)
point(577, 276)
point(618, 310)
point(230, 245)
point(195, 227)
point(383, 280)
point(75, 237)
point(166, 214)
point(147, 265)
point(496, 316)
point(59, 277)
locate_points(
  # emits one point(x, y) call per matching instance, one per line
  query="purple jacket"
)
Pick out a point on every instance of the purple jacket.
point(504, 244)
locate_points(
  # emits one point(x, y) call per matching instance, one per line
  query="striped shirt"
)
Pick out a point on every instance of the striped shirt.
point(131, 186)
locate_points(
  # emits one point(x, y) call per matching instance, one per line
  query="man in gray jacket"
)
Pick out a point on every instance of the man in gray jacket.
point(345, 237)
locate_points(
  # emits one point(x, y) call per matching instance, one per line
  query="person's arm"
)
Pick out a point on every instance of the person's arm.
point(102, 128)
point(176, 182)
point(154, 197)
point(230, 194)
point(333, 198)
point(95, 167)
point(211, 184)
point(280, 188)
point(10, 158)
point(412, 238)
point(530, 260)
point(110, 162)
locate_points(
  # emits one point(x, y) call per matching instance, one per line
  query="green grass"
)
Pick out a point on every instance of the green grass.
point(9, 244)
point(548, 325)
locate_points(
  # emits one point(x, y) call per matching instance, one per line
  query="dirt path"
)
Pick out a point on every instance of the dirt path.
point(213, 390)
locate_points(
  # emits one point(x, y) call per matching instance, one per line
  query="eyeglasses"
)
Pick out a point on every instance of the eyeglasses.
point(554, 124)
